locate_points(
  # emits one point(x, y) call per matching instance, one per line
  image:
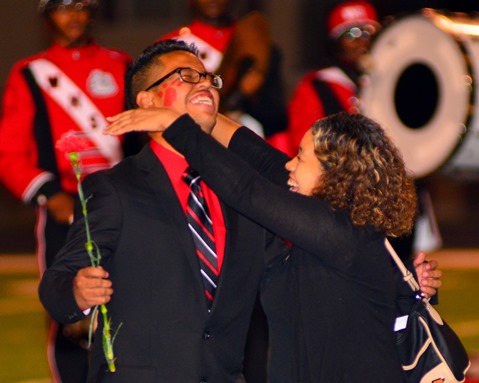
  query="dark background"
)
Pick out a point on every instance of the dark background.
point(298, 29)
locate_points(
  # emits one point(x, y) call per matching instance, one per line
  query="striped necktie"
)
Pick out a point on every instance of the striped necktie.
point(200, 225)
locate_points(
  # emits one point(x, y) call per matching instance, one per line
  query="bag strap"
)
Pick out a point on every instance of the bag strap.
point(408, 277)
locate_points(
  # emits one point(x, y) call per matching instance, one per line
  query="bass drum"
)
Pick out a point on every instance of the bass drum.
point(421, 87)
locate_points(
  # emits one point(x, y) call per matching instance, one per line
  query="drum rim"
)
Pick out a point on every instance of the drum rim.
point(468, 115)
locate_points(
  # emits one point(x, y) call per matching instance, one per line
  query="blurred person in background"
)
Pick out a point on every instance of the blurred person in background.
point(242, 51)
point(351, 29)
point(351, 26)
point(69, 87)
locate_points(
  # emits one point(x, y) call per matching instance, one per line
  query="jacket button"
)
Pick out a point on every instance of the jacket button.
point(206, 335)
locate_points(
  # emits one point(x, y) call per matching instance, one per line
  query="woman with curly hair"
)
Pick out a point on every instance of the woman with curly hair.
point(330, 295)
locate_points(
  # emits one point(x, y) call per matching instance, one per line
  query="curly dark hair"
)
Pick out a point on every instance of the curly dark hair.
point(136, 74)
point(364, 173)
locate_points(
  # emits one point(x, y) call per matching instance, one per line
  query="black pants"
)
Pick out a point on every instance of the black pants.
point(67, 353)
point(256, 358)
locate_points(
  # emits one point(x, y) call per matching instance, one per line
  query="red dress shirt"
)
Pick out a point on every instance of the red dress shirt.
point(175, 166)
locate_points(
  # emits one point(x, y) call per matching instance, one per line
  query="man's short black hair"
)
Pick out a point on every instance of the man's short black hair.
point(135, 76)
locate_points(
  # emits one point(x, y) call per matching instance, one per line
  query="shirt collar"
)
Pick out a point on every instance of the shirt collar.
point(175, 165)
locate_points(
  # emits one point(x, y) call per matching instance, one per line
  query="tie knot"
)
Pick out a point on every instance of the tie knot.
point(190, 176)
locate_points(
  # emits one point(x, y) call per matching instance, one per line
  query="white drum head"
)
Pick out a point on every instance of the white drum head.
point(419, 89)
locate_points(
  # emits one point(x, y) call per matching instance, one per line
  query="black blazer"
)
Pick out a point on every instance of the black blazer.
point(167, 333)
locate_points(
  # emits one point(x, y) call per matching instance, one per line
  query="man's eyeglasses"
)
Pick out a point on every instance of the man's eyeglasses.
point(191, 76)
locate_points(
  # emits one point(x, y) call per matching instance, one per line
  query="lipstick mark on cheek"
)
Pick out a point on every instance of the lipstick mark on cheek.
point(168, 92)
point(161, 92)
point(170, 97)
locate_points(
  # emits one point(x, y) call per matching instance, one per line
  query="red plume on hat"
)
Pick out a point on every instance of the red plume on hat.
point(351, 14)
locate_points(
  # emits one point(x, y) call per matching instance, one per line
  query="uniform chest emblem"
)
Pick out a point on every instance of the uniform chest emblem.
point(102, 84)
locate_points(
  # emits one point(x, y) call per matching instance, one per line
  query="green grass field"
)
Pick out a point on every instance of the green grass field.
point(459, 305)
point(22, 330)
point(23, 325)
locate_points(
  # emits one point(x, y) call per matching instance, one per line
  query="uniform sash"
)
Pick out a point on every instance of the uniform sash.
point(73, 100)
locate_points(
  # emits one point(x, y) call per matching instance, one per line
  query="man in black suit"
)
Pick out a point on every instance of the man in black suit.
point(137, 218)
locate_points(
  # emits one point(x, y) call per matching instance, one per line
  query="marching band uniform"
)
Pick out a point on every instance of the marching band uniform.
point(211, 40)
point(312, 94)
point(40, 105)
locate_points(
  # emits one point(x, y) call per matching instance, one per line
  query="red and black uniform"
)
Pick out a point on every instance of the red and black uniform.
point(210, 40)
point(32, 121)
point(318, 94)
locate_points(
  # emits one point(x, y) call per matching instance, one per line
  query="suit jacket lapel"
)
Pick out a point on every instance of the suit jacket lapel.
point(159, 182)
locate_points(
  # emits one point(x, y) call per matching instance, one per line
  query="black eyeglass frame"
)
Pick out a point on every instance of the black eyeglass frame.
point(364, 33)
point(211, 76)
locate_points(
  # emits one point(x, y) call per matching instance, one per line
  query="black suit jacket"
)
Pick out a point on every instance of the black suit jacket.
point(167, 334)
